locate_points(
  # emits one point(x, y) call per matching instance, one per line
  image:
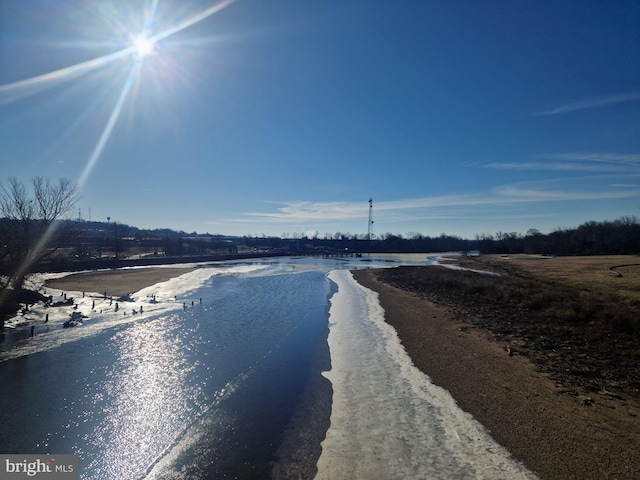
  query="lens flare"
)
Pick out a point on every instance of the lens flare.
point(143, 46)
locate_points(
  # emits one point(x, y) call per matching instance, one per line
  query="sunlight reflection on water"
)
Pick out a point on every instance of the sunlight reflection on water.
point(148, 401)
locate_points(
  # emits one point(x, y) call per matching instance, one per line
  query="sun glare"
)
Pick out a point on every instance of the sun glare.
point(143, 45)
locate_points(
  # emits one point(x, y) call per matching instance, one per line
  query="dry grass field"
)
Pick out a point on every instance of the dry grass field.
point(589, 273)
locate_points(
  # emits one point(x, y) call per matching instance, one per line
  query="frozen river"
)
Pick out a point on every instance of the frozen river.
point(222, 374)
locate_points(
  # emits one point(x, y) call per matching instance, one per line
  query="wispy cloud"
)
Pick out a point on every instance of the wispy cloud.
point(519, 194)
point(566, 167)
point(325, 212)
point(309, 211)
point(603, 101)
point(619, 158)
point(576, 162)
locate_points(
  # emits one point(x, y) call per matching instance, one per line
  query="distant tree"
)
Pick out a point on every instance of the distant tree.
point(391, 242)
point(512, 242)
point(117, 238)
point(485, 242)
point(32, 226)
point(535, 242)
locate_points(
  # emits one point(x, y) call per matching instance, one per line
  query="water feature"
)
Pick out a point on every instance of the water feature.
point(222, 377)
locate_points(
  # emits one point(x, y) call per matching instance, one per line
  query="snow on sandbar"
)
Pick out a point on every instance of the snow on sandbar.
point(100, 312)
point(388, 420)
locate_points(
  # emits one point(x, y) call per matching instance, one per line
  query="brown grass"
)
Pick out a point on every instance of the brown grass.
point(577, 327)
point(589, 273)
point(579, 289)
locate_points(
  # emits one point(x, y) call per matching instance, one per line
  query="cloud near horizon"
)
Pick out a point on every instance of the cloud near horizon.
point(301, 211)
point(576, 161)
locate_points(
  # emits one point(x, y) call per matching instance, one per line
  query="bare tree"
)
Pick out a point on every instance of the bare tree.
point(118, 238)
point(31, 222)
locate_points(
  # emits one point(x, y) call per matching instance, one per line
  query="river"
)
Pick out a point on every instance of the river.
point(241, 370)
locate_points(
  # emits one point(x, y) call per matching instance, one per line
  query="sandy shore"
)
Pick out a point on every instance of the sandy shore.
point(117, 283)
point(556, 435)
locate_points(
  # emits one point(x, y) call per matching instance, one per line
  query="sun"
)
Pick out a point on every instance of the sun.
point(143, 46)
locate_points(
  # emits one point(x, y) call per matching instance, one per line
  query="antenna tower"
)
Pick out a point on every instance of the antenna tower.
point(370, 227)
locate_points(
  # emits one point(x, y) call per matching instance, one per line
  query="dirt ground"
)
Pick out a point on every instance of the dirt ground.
point(560, 431)
point(117, 283)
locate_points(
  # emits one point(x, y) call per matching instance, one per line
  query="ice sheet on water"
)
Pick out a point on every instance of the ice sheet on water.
point(100, 312)
point(388, 420)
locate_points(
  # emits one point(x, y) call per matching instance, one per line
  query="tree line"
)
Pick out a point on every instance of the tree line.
point(610, 237)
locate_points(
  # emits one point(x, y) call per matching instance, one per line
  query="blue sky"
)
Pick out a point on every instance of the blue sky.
point(285, 116)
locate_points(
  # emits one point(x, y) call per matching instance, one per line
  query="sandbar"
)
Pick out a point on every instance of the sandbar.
point(117, 283)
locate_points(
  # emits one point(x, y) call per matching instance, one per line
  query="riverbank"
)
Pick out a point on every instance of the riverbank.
point(556, 434)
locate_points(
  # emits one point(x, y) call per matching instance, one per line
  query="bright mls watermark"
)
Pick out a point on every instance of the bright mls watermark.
point(51, 467)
